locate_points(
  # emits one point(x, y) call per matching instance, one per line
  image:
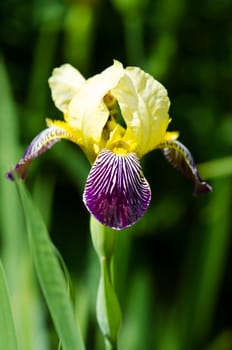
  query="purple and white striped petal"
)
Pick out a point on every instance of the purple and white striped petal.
point(40, 144)
point(116, 192)
point(180, 158)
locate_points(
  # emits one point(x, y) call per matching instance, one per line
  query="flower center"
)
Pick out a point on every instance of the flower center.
point(115, 127)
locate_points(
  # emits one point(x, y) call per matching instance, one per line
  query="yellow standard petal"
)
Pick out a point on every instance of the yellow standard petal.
point(144, 104)
point(65, 82)
point(88, 112)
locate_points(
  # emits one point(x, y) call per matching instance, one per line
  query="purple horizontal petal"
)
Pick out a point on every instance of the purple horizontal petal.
point(116, 192)
point(179, 156)
point(40, 144)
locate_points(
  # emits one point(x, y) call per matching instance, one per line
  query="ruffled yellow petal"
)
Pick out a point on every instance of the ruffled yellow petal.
point(86, 105)
point(87, 110)
point(65, 82)
point(144, 105)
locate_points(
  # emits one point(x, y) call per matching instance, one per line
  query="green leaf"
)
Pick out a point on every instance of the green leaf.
point(15, 255)
point(50, 275)
point(137, 328)
point(8, 336)
point(220, 167)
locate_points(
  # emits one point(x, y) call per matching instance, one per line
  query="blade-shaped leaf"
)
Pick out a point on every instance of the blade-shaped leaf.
point(50, 275)
point(181, 159)
point(16, 259)
point(7, 330)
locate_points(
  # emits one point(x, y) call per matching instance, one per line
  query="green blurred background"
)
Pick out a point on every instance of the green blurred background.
point(173, 269)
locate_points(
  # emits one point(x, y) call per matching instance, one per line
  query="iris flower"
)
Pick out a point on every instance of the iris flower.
point(115, 117)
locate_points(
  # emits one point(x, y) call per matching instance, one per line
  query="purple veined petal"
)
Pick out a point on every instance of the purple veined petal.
point(40, 144)
point(116, 192)
point(180, 158)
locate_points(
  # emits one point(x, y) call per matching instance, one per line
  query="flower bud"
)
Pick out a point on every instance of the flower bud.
point(103, 239)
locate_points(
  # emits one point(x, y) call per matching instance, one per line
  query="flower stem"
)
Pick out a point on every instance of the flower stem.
point(108, 308)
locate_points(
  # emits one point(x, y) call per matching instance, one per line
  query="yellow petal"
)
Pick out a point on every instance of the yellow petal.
point(71, 134)
point(65, 82)
point(144, 105)
point(87, 111)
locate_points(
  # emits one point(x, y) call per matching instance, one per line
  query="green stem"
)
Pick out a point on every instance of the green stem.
point(108, 308)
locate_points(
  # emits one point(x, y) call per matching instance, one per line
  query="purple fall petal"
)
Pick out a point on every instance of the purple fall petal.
point(40, 144)
point(179, 156)
point(116, 192)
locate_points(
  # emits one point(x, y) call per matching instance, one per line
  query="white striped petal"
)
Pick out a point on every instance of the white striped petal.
point(116, 192)
point(40, 144)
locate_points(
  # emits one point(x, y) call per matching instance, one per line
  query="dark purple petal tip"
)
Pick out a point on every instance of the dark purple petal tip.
point(202, 187)
point(116, 192)
point(9, 175)
point(20, 169)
